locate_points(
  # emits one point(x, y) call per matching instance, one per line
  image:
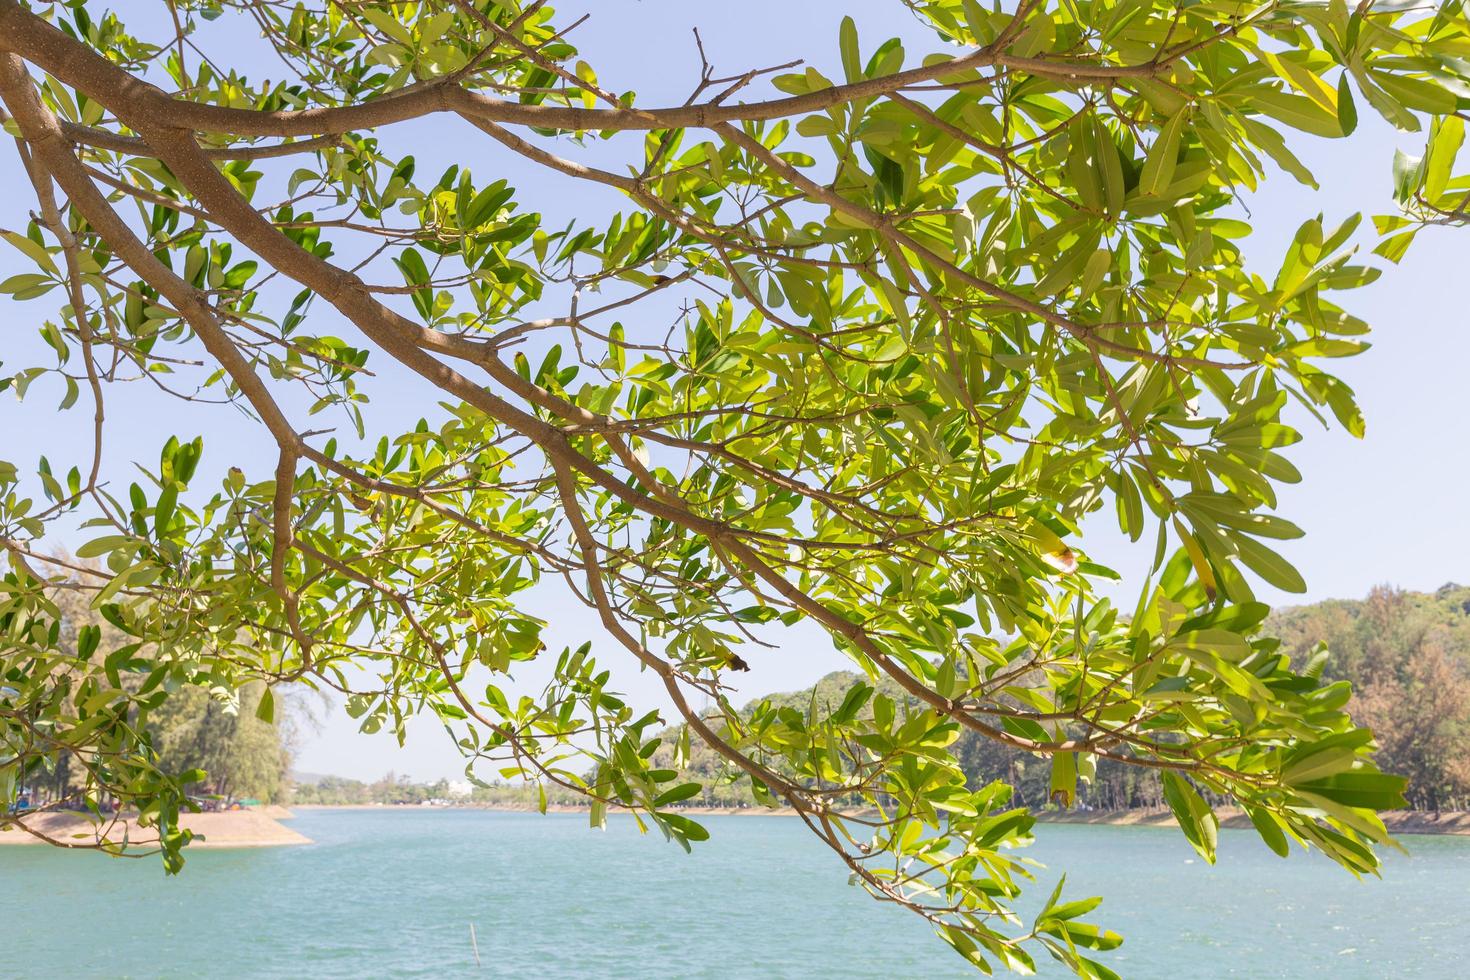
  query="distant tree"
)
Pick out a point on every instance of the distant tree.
point(1422, 722)
point(1408, 657)
point(861, 353)
point(239, 754)
point(330, 790)
point(215, 731)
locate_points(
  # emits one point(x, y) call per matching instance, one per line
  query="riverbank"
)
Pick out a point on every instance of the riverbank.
point(688, 811)
point(1398, 822)
point(233, 828)
point(692, 811)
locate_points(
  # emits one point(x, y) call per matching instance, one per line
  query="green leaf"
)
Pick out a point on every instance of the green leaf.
point(1276, 149)
point(1071, 910)
point(1408, 174)
point(852, 62)
point(1324, 756)
point(1415, 93)
point(35, 252)
point(1063, 787)
point(1446, 138)
point(1385, 105)
point(1304, 80)
point(415, 272)
point(1298, 112)
point(103, 545)
point(684, 827)
point(1347, 110)
point(1085, 935)
point(1268, 564)
point(1158, 168)
point(678, 794)
point(1360, 788)
point(266, 709)
point(1198, 822)
point(28, 285)
point(852, 703)
point(88, 639)
point(1394, 247)
point(1269, 830)
point(163, 511)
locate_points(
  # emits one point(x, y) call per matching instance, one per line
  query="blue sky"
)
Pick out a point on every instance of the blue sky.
point(1388, 508)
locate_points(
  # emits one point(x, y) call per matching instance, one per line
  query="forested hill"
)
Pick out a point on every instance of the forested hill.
point(1407, 655)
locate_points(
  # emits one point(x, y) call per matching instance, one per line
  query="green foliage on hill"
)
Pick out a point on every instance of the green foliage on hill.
point(1407, 655)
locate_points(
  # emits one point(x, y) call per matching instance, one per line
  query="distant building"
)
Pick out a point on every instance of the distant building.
point(459, 789)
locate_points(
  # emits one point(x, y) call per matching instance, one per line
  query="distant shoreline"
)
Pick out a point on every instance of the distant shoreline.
point(262, 828)
point(698, 811)
point(1448, 822)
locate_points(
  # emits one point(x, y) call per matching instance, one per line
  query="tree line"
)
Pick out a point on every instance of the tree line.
point(1406, 655)
point(201, 729)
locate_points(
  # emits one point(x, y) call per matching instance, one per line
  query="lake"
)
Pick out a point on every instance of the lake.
point(393, 894)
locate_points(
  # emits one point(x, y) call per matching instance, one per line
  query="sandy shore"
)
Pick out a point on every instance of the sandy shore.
point(1397, 822)
point(261, 826)
point(518, 808)
point(234, 828)
point(692, 811)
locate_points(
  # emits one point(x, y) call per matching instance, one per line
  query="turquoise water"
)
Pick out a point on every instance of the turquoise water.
point(394, 893)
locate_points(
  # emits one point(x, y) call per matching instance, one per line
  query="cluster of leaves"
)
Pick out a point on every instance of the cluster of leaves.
point(864, 352)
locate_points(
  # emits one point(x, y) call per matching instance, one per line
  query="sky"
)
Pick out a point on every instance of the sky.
point(1389, 508)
